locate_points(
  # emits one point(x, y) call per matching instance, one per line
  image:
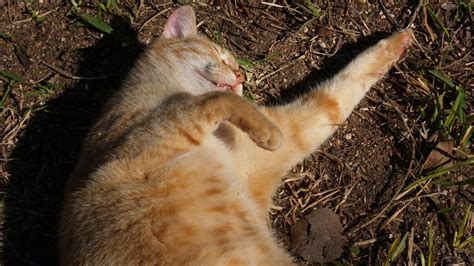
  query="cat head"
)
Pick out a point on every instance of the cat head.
point(204, 62)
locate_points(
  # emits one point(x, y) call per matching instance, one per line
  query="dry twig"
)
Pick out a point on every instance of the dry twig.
point(38, 16)
point(153, 17)
point(425, 22)
point(387, 14)
point(68, 75)
point(415, 13)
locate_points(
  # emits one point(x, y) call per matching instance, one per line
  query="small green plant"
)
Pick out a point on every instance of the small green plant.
point(44, 89)
point(461, 238)
point(76, 5)
point(248, 94)
point(355, 250)
point(247, 64)
point(439, 24)
point(11, 79)
point(315, 10)
point(430, 177)
point(395, 249)
point(109, 6)
point(430, 244)
point(463, 9)
point(94, 21)
point(218, 37)
point(37, 17)
point(6, 37)
point(448, 116)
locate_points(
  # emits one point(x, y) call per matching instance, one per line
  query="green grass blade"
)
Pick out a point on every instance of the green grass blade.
point(10, 76)
point(5, 36)
point(442, 76)
point(249, 95)
point(466, 242)
point(430, 244)
point(315, 11)
point(461, 232)
point(390, 252)
point(6, 93)
point(464, 225)
point(400, 247)
point(446, 210)
point(438, 23)
point(247, 64)
point(439, 172)
point(112, 4)
point(457, 111)
point(96, 23)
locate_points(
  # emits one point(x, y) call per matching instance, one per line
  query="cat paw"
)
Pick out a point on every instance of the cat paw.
point(391, 49)
point(268, 137)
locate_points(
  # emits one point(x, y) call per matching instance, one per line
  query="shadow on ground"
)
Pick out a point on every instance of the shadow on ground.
point(46, 151)
point(330, 66)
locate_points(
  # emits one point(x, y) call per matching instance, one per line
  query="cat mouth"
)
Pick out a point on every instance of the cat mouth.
point(240, 78)
point(227, 87)
point(236, 87)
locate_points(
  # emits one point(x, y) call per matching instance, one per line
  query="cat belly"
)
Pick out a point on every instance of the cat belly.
point(193, 208)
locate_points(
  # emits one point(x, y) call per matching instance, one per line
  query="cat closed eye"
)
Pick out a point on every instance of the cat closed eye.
point(209, 67)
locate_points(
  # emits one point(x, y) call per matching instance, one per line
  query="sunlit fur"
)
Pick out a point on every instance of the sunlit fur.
point(177, 172)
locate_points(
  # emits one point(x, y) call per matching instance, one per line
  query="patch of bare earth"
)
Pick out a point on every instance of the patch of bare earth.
point(363, 173)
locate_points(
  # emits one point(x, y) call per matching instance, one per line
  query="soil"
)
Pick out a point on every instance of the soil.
point(357, 173)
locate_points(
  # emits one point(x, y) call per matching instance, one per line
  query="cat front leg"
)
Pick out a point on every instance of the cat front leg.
point(310, 120)
point(217, 107)
point(350, 85)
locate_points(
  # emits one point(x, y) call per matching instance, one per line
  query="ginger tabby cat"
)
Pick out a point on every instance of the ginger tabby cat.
point(180, 169)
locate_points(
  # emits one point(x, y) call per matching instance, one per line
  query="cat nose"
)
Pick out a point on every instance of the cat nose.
point(239, 76)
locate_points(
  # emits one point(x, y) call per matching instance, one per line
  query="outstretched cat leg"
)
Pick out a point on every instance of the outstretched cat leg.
point(310, 120)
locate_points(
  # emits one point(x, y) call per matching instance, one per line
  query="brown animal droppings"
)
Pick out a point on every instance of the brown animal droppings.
point(317, 237)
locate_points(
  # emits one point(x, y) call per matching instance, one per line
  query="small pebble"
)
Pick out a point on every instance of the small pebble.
point(348, 136)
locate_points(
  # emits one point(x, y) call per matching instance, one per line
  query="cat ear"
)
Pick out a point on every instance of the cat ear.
point(181, 24)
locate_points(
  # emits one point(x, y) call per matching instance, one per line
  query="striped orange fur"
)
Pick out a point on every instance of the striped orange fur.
point(180, 169)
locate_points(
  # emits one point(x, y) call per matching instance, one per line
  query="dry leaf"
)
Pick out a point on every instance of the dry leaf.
point(441, 154)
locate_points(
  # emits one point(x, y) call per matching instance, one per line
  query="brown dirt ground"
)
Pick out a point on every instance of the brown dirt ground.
point(356, 173)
